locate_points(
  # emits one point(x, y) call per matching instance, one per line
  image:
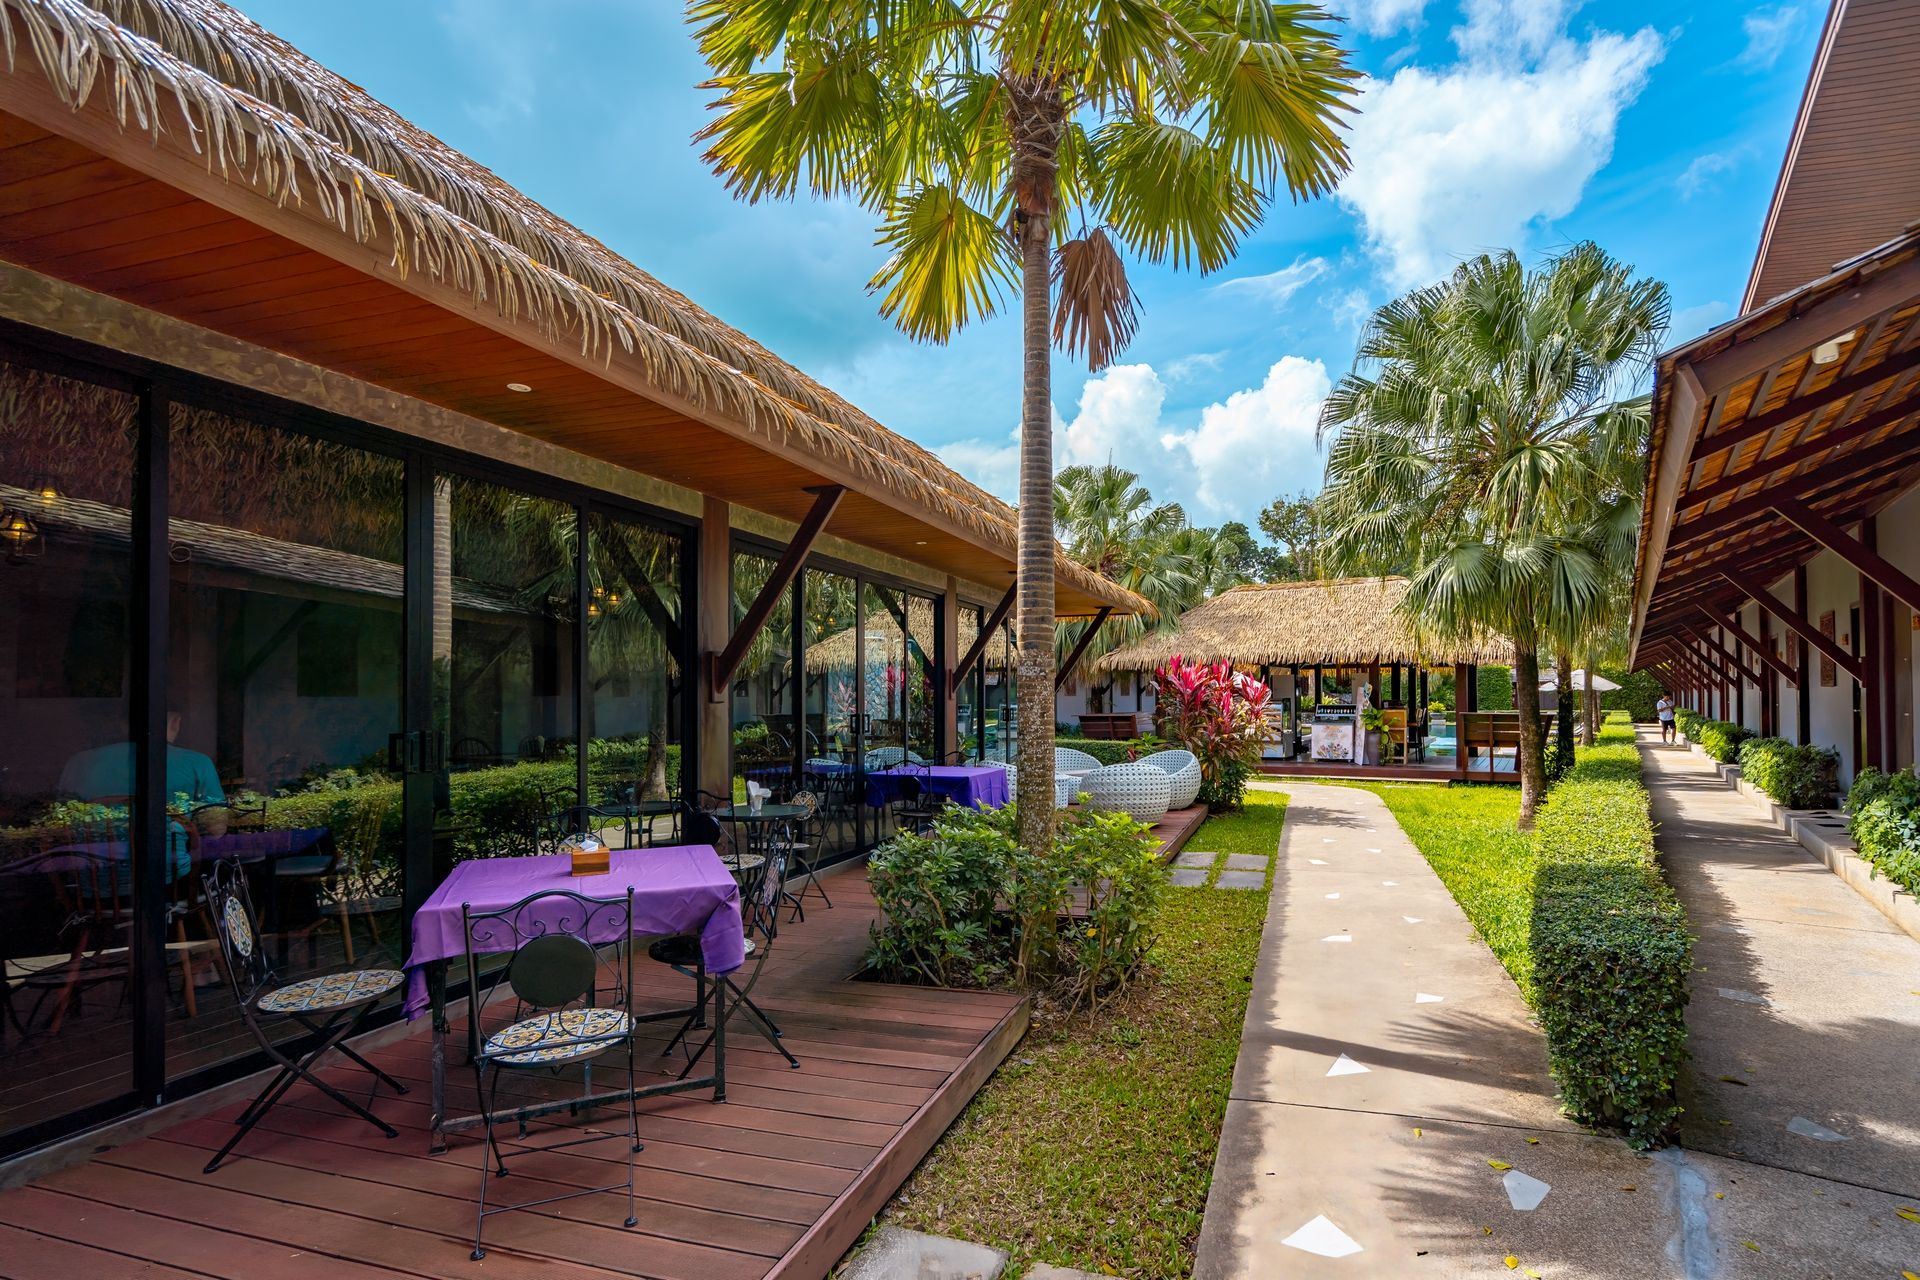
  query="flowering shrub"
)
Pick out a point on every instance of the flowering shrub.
point(1220, 716)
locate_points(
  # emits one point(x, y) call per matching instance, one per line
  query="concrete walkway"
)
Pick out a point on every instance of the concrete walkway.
point(1805, 1020)
point(1376, 1130)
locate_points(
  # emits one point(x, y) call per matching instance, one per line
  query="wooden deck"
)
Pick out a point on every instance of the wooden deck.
point(778, 1181)
point(1173, 831)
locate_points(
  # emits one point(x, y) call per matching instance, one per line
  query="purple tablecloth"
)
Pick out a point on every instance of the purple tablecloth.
point(677, 889)
point(970, 785)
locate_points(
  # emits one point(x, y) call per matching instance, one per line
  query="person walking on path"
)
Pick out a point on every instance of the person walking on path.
point(1664, 709)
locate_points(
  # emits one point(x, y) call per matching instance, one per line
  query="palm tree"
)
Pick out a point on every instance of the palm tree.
point(1020, 144)
point(1478, 442)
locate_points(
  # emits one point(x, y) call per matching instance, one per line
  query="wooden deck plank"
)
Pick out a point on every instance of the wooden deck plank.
point(778, 1180)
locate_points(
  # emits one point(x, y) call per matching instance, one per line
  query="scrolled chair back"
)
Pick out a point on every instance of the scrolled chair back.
point(230, 905)
point(567, 951)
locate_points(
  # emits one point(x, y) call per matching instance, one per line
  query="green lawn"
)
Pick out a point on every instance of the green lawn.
point(1467, 835)
point(1093, 1145)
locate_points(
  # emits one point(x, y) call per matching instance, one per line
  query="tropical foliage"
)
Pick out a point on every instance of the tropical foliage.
point(1796, 777)
point(1022, 146)
point(1220, 716)
point(1883, 816)
point(1296, 529)
point(1480, 444)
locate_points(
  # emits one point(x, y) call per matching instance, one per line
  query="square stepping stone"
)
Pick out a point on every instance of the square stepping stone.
point(1191, 859)
point(1242, 880)
point(1246, 862)
point(1189, 877)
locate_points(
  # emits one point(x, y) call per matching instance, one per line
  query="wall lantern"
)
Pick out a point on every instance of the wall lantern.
point(20, 536)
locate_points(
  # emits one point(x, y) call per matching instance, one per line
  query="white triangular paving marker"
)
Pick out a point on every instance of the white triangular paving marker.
point(1421, 997)
point(1411, 919)
point(1318, 862)
point(1371, 849)
point(1744, 997)
point(1523, 1192)
point(1326, 839)
point(1391, 884)
point(1338, 937)
point(1332, 896)
point(1323, 1238)
point(1805, 1128)
point(1345, 1066)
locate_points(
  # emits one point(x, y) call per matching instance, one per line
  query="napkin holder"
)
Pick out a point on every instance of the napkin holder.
point(589, 855)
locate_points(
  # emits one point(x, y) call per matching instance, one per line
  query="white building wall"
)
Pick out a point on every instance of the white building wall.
point(1899, 541)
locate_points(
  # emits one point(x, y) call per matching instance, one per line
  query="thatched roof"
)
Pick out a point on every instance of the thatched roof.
point(263, 114)
point(884, 640)
point(1347, 620)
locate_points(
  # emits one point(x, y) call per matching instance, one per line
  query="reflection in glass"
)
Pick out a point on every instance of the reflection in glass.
point(999, 703)
point(633, 643)
point(831, 703)
point(286, 658)
point(504, 660)
point(967, 719)
point(66, 466)
point(763, 686)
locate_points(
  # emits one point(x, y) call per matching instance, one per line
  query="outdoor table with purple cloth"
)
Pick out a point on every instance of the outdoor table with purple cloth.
point(678, 889)
point(968, 785)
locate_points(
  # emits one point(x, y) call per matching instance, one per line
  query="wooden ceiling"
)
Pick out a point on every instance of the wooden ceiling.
point(1851, 177)
point(1748, 417)
point(72, 212)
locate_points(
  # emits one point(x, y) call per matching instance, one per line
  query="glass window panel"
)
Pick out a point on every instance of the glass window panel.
point(763, 686)
point(634, 651)
point(505, 612)
point(969, 724)
point(829, 617)
point(285, 682)
point(66, 765)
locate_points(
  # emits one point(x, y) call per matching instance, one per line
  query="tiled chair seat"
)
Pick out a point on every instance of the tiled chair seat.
point(330, 992)
point(580, 1033)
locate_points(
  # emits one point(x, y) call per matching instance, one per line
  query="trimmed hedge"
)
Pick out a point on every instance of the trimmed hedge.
point(1883, 816)
point(1638, 692)
point(1797, 777)
point(1611, 948)
point(1721, 739)
point(1112, 750)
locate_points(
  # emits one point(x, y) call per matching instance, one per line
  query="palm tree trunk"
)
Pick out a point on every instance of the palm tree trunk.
point(1036, 541)
point(1526, 700)
point(1590, 708)
point(1563, 704)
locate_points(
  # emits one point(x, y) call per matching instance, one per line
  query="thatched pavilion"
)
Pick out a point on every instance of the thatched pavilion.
point(1312, 641)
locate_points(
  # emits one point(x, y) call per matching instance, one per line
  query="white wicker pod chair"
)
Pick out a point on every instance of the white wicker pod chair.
point(1142, 790)
point(1069, 758)
point(1184, 768)
point(1066, 788)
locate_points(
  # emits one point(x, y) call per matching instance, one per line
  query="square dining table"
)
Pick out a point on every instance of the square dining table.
point(677, 890)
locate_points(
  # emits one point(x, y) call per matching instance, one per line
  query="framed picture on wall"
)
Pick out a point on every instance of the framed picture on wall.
point(1829, 673)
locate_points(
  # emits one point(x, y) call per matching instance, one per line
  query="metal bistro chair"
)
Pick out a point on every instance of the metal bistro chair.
point(914, 808)
point(330, 1008)
point(803, 844)
point(760, 913)
point(577, 1010)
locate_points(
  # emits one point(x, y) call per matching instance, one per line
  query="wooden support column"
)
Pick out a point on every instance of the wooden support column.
point(1860, 554)
point(946, 728)
point(1803, 703)
point(713, 621)
point(1769, 692)
point(1755, 643)
point(1794, 616)
point(1873, 690)
point(1732, 670)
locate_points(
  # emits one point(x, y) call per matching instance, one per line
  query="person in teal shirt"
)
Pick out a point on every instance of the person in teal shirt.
point(105, 775)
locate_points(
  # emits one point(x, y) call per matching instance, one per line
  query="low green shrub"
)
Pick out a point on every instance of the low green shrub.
point(1883, 816)
point(1611, 949)
point(1618, 718)
point(1797, 777)
point(953, 900)
point(1113, 750)
point(1689, 722)
point(1721, 739)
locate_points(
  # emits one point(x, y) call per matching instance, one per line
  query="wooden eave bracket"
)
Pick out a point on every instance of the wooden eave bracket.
point(1799, 625)
point(720, 667)
point(1849, 548)
point(994, 621)
point(1081, 645)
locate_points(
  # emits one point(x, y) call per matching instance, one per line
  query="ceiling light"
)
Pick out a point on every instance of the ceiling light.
point(920, 542)
point(1829, 351)
point(521, 387)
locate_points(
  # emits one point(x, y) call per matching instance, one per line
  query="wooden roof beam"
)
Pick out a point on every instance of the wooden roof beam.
point(1728, 661)
point(1851, 309)
point(1757, 591)
point(721, 666)
point(1800, 406)
point(1080, 647)
point(1766, 466)
point(1884, 458)
point(993, 624)
point(1855, 552)
point(1759, 650)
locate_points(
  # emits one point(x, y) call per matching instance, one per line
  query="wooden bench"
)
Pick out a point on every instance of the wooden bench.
point(1114, 725)
point(1490, 732)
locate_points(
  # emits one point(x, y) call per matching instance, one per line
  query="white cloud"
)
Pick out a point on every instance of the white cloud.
point(1381, 17)
point(1276, 288)
point(1768, 32)
point(1478, 155)
point(1247, 448)
point(1192, 366)
point(1699, 176)
point(1258, 442)
point(1351, 308)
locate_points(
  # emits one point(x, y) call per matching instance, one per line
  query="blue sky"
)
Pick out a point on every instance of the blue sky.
point(1654, 129)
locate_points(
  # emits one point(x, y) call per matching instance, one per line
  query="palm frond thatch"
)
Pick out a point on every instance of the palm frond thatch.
point(197, 76)
point(1347, 620)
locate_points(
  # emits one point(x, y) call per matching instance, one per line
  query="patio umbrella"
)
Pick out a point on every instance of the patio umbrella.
point(1600, 683)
